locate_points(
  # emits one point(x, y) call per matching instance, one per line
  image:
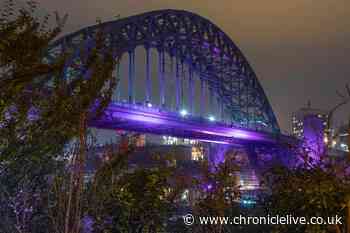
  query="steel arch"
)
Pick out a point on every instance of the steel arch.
point(197, 42)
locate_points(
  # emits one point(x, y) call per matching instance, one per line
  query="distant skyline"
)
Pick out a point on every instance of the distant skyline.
point(299, 49)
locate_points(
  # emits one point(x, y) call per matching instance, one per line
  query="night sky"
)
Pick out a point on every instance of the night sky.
point(299, 49)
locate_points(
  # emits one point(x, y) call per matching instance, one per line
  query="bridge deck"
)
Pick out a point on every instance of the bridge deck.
point(155, 121)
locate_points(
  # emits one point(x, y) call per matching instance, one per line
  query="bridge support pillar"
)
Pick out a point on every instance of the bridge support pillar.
point(182, 82)
point(131, 76)
point(190, 89)
point(116, 96)
point(202, 104)
point(252, 155)
point(161, 71)
point(221, 106)
point(178, 85)
point(148, 75)
point(211, 107)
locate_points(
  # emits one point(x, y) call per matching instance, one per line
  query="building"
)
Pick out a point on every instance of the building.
point(301, 120)
point(310, 124)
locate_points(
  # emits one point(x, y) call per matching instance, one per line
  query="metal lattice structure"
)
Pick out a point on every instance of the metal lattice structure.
point(188, 39)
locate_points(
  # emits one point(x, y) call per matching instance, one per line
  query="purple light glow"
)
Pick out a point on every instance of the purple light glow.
point(241, 134)
point(216, 50)
point(142, 118)
point(147, 118)
point(213, 133)
point(217, 153)
point(216, 142)
point(313, 136)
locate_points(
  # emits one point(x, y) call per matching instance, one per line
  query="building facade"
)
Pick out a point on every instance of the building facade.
point(310, 125)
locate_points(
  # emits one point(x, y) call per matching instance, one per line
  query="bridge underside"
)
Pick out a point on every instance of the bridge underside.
point(156, 121)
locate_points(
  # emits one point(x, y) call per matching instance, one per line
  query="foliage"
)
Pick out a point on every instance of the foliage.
point(219, 192)
point(122, 199)
point(41, 110)
point(318, 189)
point(23, 42)
point(40, 106)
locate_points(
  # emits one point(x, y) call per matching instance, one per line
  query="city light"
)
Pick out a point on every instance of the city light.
point(344, 147)
point(248, 202)
point(325, 140)
point(211, 118)
point(334, 142)
point(183, 112)
point(184, 195)
point(263, 123)
point(149, 105)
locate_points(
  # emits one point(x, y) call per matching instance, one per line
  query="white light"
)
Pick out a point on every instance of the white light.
point(184, 195)
point(325, 140)
point(183, 112)
point(344, 146)
point(211, 118)
point(149, 105)
point(334, 142)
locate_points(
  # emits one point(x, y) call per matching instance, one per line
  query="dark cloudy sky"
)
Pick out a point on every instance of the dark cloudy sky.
point(300, 49)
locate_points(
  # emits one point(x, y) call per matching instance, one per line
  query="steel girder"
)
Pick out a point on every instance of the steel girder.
point(197, 42)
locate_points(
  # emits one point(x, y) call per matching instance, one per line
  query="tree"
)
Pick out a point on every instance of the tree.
point(132, 200)
point(310, 189)
point(41, 110)
point(345, 99)
point(218, 189)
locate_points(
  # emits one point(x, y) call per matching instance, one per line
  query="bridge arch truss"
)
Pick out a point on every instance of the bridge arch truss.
point(190, 40)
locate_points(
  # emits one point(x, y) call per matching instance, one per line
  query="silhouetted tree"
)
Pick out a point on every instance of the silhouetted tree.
point(41, 110)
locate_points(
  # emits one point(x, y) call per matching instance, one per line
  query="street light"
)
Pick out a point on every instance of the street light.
point(211, 118)
point(183, 112)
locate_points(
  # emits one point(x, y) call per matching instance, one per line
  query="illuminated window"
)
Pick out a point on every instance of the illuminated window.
point(167, 140)
point(197, 153)
point(325, 140)
point(185, 195)
point(334, 143)
point(190, 142)
point(140, 141)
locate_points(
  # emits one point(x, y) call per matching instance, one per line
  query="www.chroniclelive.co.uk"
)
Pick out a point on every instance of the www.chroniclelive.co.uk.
point(189, 219)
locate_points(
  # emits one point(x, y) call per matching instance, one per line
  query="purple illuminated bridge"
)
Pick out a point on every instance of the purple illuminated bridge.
point(189, 79)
